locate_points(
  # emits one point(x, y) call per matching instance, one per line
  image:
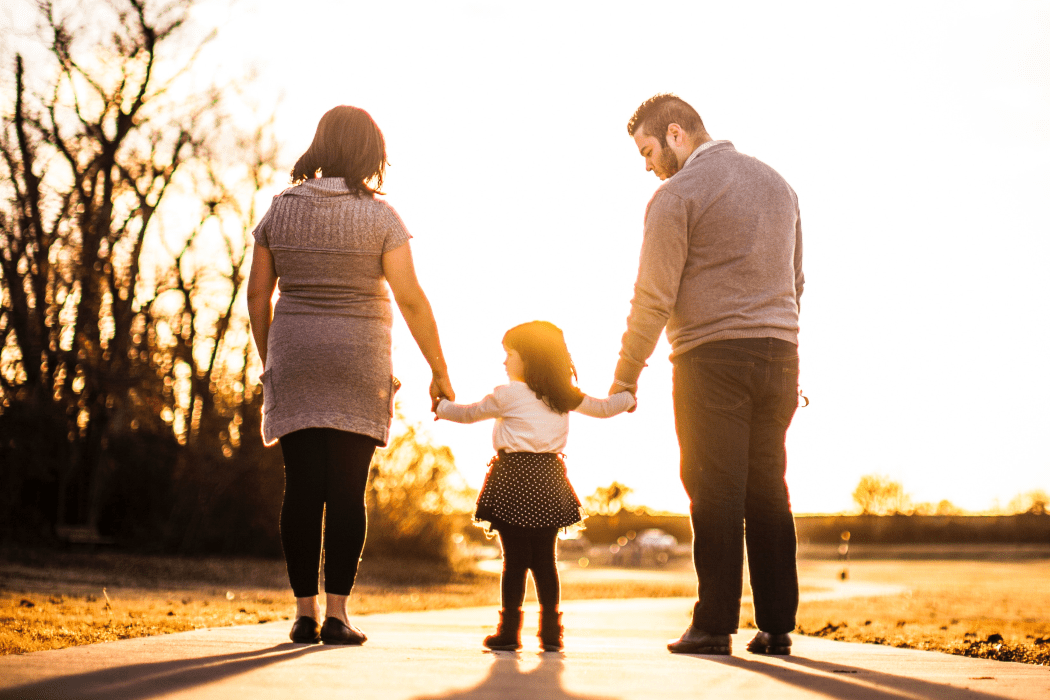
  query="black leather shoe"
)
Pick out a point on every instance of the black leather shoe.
point(696, 641)
point(766, 643)
point(305, 631)
point(335, 632)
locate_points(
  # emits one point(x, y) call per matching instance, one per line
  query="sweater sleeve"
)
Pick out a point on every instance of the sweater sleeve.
point(800, 279)
point(261, 232)
point(665, 249)
point(395, 234)
point(488, 407)
point(606, 408)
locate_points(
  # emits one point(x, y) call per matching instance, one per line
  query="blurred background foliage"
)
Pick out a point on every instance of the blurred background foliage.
point(415, 497)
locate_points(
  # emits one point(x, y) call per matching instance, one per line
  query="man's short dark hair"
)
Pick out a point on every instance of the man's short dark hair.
point(659, 112)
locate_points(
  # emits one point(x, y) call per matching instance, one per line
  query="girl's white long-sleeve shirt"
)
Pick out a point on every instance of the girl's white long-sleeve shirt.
point(523, 422)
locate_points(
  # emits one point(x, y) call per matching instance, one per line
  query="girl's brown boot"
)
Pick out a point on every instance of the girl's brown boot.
point(551, 631)
point(508, 634)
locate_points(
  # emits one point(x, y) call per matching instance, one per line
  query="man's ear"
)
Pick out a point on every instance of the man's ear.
point(675, 135)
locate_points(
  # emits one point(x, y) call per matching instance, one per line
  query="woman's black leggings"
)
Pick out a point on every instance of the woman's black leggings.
point(529, 549)
point(325, 474)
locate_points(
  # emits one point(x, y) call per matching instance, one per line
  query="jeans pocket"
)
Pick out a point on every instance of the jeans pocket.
point(722, 385)
point(787, 396)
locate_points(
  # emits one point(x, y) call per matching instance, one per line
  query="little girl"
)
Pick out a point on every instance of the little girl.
point(526, 496)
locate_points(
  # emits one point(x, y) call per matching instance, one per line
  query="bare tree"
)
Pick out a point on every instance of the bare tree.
point(89, 352)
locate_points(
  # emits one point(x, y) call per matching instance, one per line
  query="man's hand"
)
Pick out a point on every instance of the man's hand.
point(618, 388)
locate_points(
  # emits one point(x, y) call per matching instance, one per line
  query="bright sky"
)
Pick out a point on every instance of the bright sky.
point(917, 136)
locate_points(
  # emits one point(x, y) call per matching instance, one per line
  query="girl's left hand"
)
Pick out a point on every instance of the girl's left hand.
point(617, 389)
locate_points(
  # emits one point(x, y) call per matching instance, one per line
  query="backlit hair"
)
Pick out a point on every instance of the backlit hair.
point(659, 112)
point(548, 368)
point(347, 144)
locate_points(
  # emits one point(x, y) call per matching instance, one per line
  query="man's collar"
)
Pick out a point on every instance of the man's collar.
point(699, 150)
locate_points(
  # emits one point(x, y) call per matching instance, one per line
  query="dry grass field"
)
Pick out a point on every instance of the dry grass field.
point(55, 599)
point(992, 609)
point(996, 608)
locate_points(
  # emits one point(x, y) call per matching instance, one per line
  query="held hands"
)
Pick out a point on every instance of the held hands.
point(440, 388)
point(617, 389)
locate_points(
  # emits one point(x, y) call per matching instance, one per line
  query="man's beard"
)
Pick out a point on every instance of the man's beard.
point(668, 161)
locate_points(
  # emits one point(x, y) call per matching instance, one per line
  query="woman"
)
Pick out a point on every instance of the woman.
point(328, 390)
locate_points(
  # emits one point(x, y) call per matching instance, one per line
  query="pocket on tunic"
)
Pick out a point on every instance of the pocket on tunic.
point(269, 392)
point(395, 384)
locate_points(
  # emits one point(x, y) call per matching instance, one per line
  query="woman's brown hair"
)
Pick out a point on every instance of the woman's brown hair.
point(347, 144)
point(549, 371)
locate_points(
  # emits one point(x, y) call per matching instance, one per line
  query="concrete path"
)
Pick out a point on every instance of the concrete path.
point(614, 649)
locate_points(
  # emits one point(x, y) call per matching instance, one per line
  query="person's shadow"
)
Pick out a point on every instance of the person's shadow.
point(851, 682)
point(149, 680)
point(507, 680)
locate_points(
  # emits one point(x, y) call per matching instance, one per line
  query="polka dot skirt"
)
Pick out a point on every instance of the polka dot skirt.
point(528, 489)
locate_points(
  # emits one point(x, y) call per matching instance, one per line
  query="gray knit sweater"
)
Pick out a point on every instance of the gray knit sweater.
point(721, 258)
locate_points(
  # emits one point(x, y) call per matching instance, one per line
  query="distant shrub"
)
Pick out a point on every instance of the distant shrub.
point(607, 500)
point(1035, 502)
point(415, 497)
point(880, 495)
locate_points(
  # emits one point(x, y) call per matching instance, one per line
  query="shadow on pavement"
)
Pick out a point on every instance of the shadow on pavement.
point(147, 680)
point(887, 685)
point(507, 680)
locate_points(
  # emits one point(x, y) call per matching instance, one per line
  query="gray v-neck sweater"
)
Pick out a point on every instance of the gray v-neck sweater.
point(721, 258)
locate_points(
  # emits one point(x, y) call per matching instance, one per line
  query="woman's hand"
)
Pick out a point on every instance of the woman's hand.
point(441, 388)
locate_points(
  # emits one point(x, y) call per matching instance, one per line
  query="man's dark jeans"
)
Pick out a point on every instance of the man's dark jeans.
point(733, 401)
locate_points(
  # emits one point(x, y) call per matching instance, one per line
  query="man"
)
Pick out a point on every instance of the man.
point(721, 269)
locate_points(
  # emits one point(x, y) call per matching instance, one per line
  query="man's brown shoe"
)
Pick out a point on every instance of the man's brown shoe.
point(766, 643)
point(696, 641)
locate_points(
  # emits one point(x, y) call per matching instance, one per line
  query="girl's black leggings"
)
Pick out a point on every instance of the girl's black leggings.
point(529, 549)
point(325, 474)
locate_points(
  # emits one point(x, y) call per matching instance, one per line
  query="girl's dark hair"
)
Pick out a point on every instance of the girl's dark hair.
point(549, 371)
point(347, 144)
